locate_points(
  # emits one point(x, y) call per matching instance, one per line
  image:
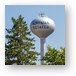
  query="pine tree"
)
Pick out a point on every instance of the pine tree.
point(19, 47)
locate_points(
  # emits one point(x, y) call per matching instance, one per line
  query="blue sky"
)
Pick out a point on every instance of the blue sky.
point(30, 12)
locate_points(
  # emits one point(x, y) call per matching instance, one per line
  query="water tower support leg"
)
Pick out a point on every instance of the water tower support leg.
point(42, 42)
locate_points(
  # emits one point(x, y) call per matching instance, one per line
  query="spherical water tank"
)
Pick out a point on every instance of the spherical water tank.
point(42, 26)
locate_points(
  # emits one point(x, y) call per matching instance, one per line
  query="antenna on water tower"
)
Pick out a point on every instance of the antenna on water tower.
point(42, 27)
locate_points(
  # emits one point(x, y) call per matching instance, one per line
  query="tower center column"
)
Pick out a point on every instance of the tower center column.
point(42, 42)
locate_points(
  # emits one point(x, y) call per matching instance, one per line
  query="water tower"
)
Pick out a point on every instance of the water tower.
point(42, 27)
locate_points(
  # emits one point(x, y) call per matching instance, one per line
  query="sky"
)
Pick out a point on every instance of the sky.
point(30, 12)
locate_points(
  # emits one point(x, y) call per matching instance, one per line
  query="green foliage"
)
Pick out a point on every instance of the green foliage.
point(54, 56)
point(19, 47)
point(20, 50)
